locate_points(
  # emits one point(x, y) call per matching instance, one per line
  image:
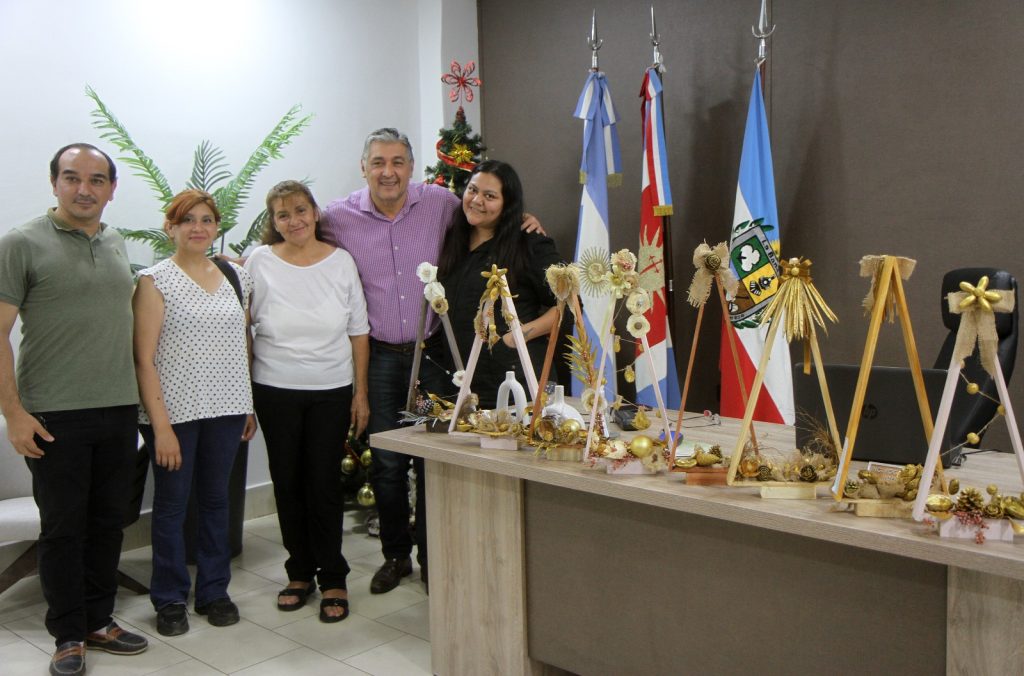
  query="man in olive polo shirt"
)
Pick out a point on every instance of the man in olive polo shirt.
point(71, 410)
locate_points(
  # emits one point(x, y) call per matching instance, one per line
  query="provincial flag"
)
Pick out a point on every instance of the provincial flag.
point(655, 204)
point(600, 167)
point(754, 257)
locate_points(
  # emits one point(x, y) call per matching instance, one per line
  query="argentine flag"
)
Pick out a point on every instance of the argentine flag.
point(601, 165)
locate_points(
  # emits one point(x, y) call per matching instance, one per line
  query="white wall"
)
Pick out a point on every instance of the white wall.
point(224, 70)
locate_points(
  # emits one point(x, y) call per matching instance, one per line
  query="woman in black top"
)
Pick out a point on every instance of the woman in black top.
point(487, 230)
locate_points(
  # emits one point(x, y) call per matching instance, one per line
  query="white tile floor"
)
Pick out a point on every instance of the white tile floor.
point(386, 634)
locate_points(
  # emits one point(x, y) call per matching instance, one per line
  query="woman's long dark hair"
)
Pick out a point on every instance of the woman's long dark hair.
point(509, 244)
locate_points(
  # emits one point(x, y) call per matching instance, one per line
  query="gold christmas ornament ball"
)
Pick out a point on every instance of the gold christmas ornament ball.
point(973, 439)
point(1001, 410)
point(365, 496)
point(348, 465)
point(366, 459)
point(972, 388)
point(641, 446)
point(992, 489)
point(570, 428)
point(938, 503)
point(750, 465)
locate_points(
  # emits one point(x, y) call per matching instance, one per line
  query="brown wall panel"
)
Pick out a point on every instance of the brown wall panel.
point(896, 128)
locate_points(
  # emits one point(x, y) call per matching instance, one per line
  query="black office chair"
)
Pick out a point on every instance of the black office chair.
point(970, 412)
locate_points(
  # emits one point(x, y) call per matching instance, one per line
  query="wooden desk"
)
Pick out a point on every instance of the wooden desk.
point(538, 564)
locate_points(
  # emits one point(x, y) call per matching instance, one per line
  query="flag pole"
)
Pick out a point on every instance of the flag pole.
point(666, 223)
point(762, 32)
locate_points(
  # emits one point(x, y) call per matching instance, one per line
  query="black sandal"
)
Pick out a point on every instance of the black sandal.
point(333, 603)
point(302, 594)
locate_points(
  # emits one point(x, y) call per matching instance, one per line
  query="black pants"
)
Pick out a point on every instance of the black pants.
point(82, 487)
point(305, 431)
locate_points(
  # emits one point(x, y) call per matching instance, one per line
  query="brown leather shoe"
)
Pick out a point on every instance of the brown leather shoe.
point(69, 660)
point(117, 641)
point(389, 575)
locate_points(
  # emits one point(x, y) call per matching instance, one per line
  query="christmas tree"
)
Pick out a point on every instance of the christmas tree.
point(458, 149)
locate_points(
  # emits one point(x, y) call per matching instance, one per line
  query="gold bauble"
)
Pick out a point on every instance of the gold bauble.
point(750, 465)
point(992, 489)
point(1013, 508)
point(366, 458)
point(641, 446)
point(1001, 410)
point(938, 503)
point(570, 428)
point(973, 439)
point(365, 496)
point(972, 388)
point(348, 465)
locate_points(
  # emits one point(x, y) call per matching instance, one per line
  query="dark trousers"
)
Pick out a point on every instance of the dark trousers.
point(208, 448)
point(305, 431)
point(81, 486)
point(390, 371)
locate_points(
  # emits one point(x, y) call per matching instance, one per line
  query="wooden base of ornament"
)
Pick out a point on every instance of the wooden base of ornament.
point(882, 509)
point(627, 468)
point(706, 476)
point(998, 529)
point(565, 454)
point(789, 491)
point(499, 443)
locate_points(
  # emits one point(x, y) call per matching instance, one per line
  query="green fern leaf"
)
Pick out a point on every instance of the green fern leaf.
point(233, 194)
point(209, 167)
point(112, 130)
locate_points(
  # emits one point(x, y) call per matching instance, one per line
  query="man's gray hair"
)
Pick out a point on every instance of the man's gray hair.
point(386, 135)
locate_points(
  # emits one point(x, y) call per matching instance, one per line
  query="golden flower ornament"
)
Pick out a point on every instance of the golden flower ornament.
point(638, 326)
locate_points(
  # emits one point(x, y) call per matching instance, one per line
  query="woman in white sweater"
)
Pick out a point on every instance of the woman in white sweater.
point(310, 358)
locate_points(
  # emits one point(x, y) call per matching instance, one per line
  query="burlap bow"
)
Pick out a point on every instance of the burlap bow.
point(977, 306)
point(871, 266)
point(710, 263)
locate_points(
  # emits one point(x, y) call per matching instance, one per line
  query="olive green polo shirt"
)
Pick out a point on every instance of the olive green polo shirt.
point(74, 296)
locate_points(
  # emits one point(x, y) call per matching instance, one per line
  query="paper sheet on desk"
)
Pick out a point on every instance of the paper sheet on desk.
point(686, 449)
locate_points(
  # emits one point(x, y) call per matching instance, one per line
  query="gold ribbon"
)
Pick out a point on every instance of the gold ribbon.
point(710, 263)
point(977, 306)
point(871, 266)
point(496, 289)
point(564, 280)
point(801, 304)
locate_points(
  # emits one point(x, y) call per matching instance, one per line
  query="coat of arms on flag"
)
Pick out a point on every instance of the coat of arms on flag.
point(757, 266)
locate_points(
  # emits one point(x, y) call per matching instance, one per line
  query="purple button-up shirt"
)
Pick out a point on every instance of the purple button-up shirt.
point(388, 251)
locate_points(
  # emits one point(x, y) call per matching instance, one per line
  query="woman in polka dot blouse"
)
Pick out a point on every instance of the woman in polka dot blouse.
point(192, 363)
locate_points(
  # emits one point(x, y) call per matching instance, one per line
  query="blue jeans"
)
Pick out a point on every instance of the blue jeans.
point(389, 387)
point(208, 448)
point(81, 487)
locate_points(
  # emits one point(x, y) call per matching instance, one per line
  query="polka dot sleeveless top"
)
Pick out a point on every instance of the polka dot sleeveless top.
point(201, 354)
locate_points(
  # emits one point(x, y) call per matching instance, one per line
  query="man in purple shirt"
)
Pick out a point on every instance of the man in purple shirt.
point(390, 227)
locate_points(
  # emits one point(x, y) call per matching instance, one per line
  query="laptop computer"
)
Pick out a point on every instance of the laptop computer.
point(890, 428)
